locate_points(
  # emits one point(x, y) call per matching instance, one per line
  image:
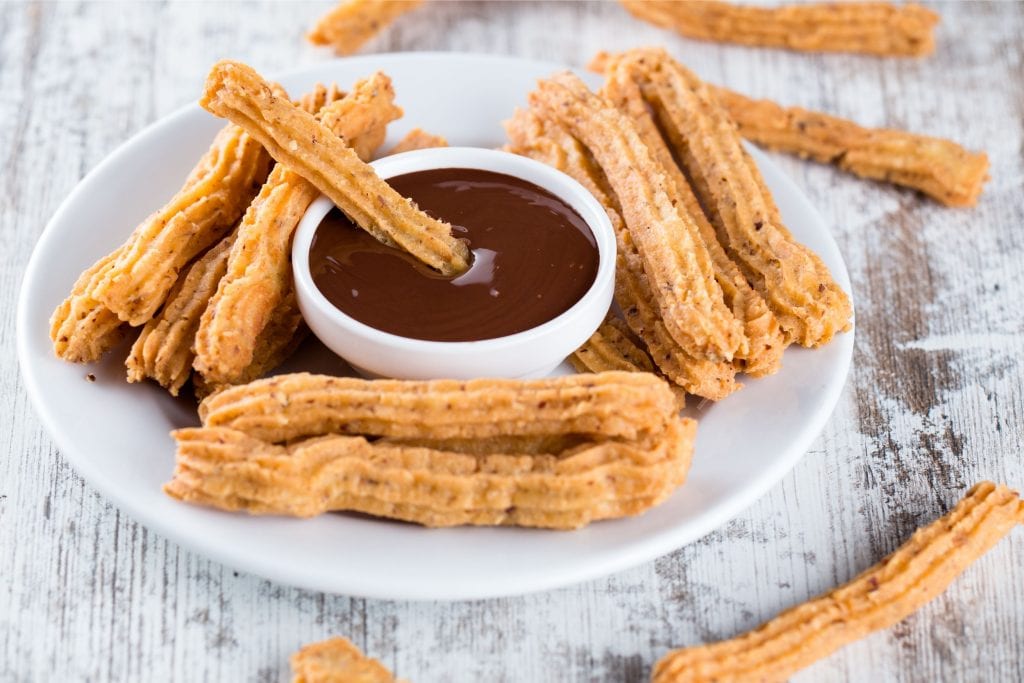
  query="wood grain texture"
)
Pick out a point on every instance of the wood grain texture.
point(934, 403)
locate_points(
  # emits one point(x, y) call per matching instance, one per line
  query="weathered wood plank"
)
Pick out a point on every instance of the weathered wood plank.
point(934, 403)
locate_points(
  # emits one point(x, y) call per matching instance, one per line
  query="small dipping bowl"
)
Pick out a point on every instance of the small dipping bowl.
point(535, 352)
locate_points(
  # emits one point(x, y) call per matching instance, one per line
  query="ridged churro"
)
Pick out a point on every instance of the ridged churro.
point(939, 168)
point(797, 286)
point(548, 142)
point(198, 216)
point(878, 598)
point(309, 148)
point(875, 28)
point(227, 469)
point(667, 239)
point(353, 22)
point(336, 660)
point(765, 341)
point(417, 138)
point(286, 407)
point(258, 281)
point(82, 328)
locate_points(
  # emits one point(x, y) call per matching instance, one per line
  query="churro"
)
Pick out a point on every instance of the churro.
point(939, 168)
point(353, 22)
point(227, 469)
point(82, 328)
point(878, 598)
point(765, 341)
point(286, 407)
point(874, 28)
point(548, 142)
point(798, 288)
point(417, 138)
point(667, 239)
point(258, 280)
point(307, 147)
point(336, 660)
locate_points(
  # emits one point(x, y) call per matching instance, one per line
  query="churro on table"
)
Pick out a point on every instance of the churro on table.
point(881, 596)
point(337, 660)
point(875, 28)
point(353, 22)
point(305, 146)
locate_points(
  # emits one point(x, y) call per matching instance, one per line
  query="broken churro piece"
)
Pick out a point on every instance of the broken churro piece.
point(307, 147)
point(227, 469)
point(286, 407)
point(878, 598)
point(353, 22)
point(875, 28)
point(667, 239)
point(336, 660)
point(417, 138)
point(796, 285)
point(83, 329)
point(253, 295)
point(939, 168)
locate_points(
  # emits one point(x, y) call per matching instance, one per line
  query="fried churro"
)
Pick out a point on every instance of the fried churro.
point(668, 241)
point(939, 168)
point(309, 148)
point(286, 407)
point(765, 341)
point(353, 22)
point(227, 469)
point(417, 138)
point(878, 598)
point(874, 28)
point(548, 142)
point(798, 288)
point(257, 285)
point(336, 660)
point(82, 328)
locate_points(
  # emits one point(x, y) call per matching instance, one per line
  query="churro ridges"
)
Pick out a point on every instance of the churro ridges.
point(82, 328)
point(417, 138)
point(939, 168)
point(336, 660)
point(876, 28)
point(762, 353)
point(287, 407)
point(227, 469)
point(881, 596)
point(668, 241)
point(353, 22)
point(297, 140)
point(799, 290)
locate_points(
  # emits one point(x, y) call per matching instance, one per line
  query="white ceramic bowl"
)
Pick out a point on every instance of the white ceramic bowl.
point(531, 353)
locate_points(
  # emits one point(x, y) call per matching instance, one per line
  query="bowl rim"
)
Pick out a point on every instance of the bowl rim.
point(551, 179)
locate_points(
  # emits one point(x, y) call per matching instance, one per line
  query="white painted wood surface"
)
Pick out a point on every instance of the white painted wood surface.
point(934, 402)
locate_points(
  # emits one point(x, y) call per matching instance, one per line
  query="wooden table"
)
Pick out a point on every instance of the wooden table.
point(933, 404)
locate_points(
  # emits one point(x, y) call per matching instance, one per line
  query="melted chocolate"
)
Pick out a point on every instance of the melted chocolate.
point(533, 258)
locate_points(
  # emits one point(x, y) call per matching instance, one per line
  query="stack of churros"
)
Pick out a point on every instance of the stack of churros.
point(556, 453)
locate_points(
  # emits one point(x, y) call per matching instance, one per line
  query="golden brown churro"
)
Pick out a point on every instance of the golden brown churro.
point(286, 407)
point(83, 329)
point(307, 147)
point(878, 598)
point(417, 138)
point(939, 168)
point(765, 341)
point(799, 290)
point(353, 22)
point(336, 660)
point(199, 215)
point(548, 142)
point(258, 282)
point(875, 28)
point(667, 239)
point(227, 469)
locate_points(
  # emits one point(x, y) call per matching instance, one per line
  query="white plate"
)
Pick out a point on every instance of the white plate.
point(116, 434)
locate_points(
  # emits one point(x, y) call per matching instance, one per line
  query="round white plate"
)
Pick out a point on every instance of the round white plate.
point(116, 434)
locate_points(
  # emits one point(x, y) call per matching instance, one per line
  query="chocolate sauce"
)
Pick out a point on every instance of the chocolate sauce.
point(533, 258)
